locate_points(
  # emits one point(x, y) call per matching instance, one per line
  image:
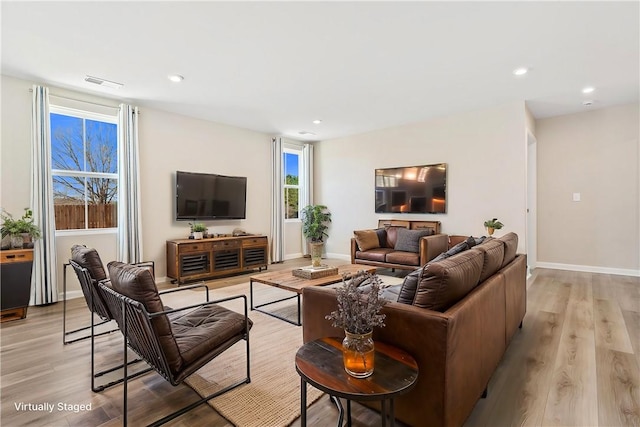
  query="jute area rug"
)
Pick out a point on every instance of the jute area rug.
point(273, 396)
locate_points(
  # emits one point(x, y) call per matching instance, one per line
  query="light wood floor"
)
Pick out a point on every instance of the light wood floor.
point(576, 362)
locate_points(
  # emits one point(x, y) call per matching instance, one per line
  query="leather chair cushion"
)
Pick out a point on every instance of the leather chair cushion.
point(378, 254)
point(405, 258)
point(367, 239)
point(409, 240)
point(409, 286)
point(493, 252)
point(391, 293)
point(446, 282)
point(88, 258)
point(198, 331)
point(510, 241)
point(137, 283)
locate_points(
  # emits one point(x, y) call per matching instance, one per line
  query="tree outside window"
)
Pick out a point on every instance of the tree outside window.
point(84, 163)
point(291, 165)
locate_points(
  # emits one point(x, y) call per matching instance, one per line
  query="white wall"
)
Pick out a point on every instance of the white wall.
point(595, 154)
point(486, 176)
point(168, 142)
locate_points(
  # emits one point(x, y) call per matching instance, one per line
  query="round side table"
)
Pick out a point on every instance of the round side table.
point(320, 364)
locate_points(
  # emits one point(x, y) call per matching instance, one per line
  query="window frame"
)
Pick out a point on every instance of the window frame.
point(298, 152)
point(86, 115)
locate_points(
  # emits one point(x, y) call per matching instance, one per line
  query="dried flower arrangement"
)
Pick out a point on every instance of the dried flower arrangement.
point(358, 312)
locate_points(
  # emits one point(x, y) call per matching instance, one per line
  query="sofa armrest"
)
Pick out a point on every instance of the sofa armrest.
point(432, 246)
point(354, 248)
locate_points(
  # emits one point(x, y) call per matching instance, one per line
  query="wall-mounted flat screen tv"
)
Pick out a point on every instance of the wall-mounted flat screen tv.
point(412, 189)
point(202, 196)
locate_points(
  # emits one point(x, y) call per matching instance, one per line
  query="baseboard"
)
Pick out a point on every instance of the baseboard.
point(71, 295)
point(293, 256)
point(589, 269)
point(339, 256)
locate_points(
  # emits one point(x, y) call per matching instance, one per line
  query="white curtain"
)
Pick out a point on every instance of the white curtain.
point(277, 202)
point(43, 279)
point(129, 221)
point(306, 190)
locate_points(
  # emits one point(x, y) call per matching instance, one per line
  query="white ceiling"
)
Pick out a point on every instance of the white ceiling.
point(275, 66)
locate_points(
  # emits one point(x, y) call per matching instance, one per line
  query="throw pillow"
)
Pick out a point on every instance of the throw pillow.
point(367, 239)
point(440, 257)
point(471, 242)
point(409, 285)
point(409, 240)
point(460, 247)
point(382, 237)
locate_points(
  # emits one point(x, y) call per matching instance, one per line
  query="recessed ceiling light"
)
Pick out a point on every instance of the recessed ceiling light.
point(176, 78)
point(317, 121)
point(588, 89)
point(520, 71)
point(103, 82)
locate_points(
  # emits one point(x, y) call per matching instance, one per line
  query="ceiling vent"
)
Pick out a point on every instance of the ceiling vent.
point(103, 82)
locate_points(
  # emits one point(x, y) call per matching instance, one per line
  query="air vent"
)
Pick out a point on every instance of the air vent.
point(103, 82)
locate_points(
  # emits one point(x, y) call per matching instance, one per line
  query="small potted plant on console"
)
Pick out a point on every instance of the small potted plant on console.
point(21, 231)
point(197, 230)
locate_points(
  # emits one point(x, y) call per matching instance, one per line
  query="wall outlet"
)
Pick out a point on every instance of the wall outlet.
point(576, 197)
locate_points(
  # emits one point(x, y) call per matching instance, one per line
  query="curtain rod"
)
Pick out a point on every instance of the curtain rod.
point(80, 100)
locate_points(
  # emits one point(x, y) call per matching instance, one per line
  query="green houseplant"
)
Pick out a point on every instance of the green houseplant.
point(21, 230)
point(492, 225)
point(198, 229)
point(315, 222)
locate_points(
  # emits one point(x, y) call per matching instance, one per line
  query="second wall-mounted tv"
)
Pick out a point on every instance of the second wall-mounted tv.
point(202, 196)
point(412, 189)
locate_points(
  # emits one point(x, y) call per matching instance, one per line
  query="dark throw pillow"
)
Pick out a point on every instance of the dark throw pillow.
point(409, 240)
point(409, 285)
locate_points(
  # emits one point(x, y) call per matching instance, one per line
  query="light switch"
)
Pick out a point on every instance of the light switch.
point(576, 197)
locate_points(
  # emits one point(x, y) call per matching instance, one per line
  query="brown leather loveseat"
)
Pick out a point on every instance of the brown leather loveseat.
point(457, 319)
point(398, 247)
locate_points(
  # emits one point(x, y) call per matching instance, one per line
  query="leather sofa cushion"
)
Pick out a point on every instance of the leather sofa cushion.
point(493, 254)
point(367, 239)
point(392, 236)
point(409, 240)
point(510, 241)
point(391, 293)
point(377, 254)
point(88, 258)
point(405, 258)
point(198, 331)
point(445, 282)
point(409, 286)
point(137, 283)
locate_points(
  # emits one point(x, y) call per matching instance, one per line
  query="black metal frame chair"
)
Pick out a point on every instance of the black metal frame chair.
point(143, 329)
point(97, 306)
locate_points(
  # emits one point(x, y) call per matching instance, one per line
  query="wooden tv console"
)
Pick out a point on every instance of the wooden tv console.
point(189, 259)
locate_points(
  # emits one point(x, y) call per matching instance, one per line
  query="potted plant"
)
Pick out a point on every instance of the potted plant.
point(358, 313)
point(315, 222)
point(197, 230)
point(492, 225)
point(21, 231)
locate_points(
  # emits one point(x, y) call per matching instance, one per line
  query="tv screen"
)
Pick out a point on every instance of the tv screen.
point(202, 196)
point(412, 189)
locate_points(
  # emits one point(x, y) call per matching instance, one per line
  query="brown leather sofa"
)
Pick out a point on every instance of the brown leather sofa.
point(421, 247)
point(464, 312)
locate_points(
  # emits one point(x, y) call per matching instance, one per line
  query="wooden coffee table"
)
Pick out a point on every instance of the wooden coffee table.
point(320, 364)
point(286, 280)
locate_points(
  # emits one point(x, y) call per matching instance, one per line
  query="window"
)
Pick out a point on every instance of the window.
point(291, 165)
point(84, 165)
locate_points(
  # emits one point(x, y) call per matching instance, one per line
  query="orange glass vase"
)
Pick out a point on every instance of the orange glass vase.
point(358, 354)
